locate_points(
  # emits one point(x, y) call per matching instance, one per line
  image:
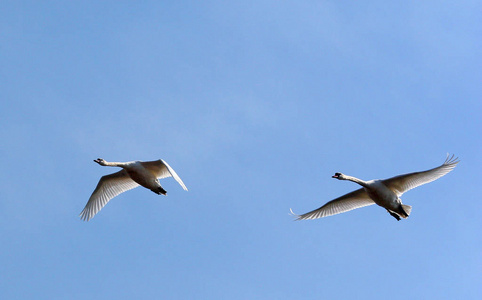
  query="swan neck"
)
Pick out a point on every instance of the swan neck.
point(356, 180)
point(114, 164)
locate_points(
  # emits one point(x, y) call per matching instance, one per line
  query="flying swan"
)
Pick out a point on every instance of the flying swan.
point(385, 193)
point(133, 174)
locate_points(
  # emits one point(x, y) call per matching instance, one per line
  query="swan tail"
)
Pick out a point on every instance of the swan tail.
point(407, 209)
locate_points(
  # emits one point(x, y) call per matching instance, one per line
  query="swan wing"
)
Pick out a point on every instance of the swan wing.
point(161, 169)
point(403, 183)
point(108, 187)
point(356, 199)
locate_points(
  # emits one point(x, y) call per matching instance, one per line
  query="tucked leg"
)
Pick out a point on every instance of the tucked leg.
point(160, 191)
point(394, 215)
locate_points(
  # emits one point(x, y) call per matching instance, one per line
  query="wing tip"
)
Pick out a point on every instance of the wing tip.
point(451, 160)
point(84, 216)
point(296, 216)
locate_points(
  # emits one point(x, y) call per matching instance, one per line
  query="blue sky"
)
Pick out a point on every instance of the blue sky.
point(255, 104)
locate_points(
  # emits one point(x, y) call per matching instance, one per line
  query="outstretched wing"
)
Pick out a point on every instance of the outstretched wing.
point(356, 199)
point(161, 169)
point(108, 187)
point(403, 183)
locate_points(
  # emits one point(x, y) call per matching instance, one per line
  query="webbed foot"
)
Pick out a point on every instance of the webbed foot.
point(160, 191)
point(396, 216)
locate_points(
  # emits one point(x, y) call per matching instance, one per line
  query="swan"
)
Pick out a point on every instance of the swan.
point(385, 193)
point(133, 174)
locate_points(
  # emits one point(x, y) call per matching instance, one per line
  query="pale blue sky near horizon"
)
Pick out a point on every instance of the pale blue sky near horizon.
point(255, 104)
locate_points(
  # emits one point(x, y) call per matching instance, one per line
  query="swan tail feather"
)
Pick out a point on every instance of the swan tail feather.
point(407, 209)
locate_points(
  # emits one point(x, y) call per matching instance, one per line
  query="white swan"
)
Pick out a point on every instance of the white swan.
point(385, 193)
point(133, 174)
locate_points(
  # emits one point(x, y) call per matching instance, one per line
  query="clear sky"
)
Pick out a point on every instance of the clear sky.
point(255, 104)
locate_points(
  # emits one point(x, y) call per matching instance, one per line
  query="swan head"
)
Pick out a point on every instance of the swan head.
point(100, 161)
point(339, 176)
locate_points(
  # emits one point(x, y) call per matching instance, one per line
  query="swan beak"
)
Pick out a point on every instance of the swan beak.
point(334, 176)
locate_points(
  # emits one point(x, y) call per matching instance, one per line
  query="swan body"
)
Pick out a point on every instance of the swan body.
point(133, 174)
point(385, 193)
